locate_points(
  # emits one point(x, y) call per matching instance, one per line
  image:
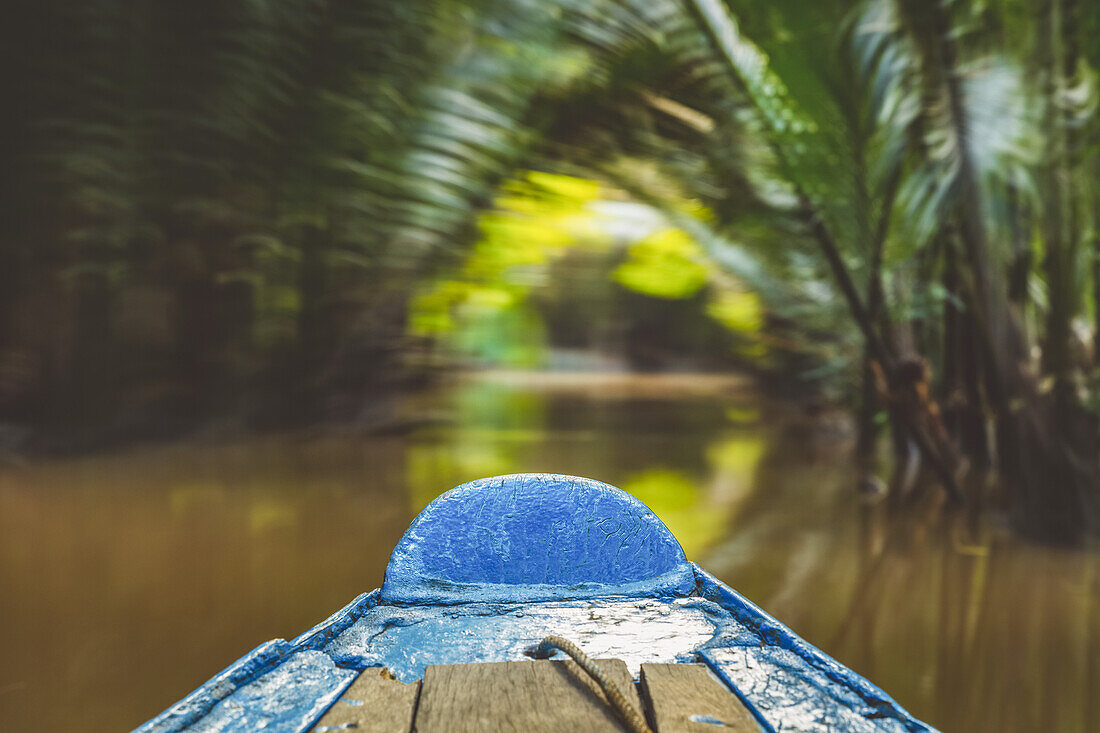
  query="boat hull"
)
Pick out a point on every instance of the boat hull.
point(450, 599)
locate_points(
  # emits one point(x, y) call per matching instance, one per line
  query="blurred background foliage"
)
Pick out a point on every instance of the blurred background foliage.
point(262, 214)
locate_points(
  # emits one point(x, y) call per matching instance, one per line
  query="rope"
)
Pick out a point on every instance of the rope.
point(629, 714)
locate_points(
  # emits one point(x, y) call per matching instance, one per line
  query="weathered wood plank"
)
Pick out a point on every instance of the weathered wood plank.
point(526, 697)
point(375, 703)
point(687, 698)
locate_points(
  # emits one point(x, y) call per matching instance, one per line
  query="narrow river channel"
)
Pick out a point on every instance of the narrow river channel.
point(128, 579)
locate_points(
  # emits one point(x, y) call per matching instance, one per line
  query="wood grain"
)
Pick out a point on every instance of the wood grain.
point(375, 703)
point(687, 698)
point(528, 697)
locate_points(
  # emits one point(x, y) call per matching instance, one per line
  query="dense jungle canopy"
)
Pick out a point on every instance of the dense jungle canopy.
point(289, 209)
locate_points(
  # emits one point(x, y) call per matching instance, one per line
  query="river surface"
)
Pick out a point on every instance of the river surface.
point(126, 580)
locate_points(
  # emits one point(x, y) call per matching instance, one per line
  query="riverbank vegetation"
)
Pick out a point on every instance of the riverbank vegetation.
point(288, 211)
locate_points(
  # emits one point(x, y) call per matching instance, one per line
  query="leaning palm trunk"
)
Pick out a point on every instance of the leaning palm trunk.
point(904, 381)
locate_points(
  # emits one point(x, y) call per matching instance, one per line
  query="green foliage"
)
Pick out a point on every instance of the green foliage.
point(311, 186)
point(481, 308)
point(738, 311)
point(666, 264)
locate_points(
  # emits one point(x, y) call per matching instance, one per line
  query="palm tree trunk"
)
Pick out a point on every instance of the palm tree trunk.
point(1059, 60)
point(1096, 301)
point(868, 405)
point(920, 416)
point(951, 381)
point(1019, 270)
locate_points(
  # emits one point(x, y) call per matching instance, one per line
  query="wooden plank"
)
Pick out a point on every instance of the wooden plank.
point(526, 697)
point(687, 698)
point(375, 703)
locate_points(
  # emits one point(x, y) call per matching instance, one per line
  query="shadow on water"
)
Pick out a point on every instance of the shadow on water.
point(127, 580)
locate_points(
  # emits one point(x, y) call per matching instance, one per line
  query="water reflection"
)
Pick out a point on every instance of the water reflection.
point(678, 452)
point(967, 627)
point(127, 580)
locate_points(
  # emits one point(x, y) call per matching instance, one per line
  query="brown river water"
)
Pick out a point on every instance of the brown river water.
point(128, 579)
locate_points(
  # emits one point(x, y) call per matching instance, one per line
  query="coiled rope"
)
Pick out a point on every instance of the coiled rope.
point(629, 714)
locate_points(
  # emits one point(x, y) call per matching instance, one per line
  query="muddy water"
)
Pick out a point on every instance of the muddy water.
point(126, 580)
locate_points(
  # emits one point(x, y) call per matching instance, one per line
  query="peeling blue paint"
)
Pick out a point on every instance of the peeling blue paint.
point(405, 639)
point(791, 685)
point(535, 537)
point(335, 624)
point(290, 697)
point(185, 714)
point(491, 567)
point(789, 694)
